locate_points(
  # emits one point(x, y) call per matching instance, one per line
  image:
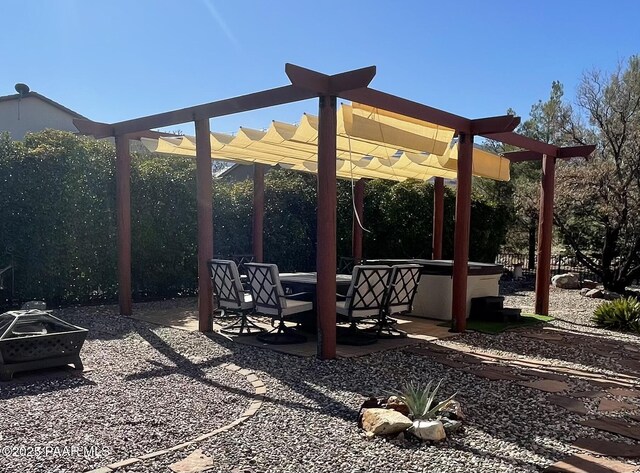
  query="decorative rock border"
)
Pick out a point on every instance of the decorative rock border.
point(260, 391)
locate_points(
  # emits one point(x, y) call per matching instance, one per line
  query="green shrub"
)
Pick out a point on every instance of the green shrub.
point(620, 314)
point(421, 400)
point(58, 219)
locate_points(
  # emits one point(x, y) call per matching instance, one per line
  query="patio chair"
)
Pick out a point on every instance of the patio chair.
point(346, 264)
point(403, 285)
point(264, 282)
point(233, 301)
point(364, 300)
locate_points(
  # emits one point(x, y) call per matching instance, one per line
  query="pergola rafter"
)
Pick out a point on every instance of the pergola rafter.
point(305, 84)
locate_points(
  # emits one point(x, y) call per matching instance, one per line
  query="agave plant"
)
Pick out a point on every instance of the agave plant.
point(621, 314)
point(420, 399)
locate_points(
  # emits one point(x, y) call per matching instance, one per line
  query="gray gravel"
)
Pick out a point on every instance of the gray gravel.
point(145, 387)
point(307, 423)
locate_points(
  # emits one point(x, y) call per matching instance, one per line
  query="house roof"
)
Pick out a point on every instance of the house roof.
point(7, 98)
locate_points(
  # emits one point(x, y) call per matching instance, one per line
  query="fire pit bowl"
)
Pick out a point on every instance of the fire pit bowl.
point(34, 339)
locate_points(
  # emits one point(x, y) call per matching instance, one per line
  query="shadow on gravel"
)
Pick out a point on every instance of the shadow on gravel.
point(589, 349)
point(186, 367)
point(31, 383)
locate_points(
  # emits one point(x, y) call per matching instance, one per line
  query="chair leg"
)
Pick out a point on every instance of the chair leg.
point(386, 328)
point(242, 326)
point(282, 335)
point(352, 335)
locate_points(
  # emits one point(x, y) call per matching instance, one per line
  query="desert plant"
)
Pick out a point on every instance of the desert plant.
point(620, 314)
point(421, 399)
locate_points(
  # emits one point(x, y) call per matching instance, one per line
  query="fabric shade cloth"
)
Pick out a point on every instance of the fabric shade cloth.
point(371, 143)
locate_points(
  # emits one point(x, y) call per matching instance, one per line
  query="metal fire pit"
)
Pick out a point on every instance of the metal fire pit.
point(34, 339)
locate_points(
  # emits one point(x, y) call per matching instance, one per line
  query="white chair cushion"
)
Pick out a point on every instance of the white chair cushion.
point(247, 303)
point(295, 307)
point(343, 309)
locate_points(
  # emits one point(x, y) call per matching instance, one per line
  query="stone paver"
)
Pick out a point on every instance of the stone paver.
point(194, 463)
point(624, 392)
point(608, 405)
point(589, 394)
point(547, 385)
point(583, 463)
point(570, 404)
point(615, 426)
point(607, 447)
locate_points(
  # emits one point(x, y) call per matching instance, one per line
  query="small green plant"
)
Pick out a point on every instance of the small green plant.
point(620, 314)
point(421, 399)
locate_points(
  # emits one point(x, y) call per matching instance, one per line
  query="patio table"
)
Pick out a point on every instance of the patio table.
point(295, 283)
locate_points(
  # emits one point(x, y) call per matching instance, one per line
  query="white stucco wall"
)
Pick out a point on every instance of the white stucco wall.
point(33, 114)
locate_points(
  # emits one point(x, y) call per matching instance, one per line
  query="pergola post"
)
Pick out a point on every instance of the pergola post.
point(204, 182)
point(358, 216)
point(462, 232)
point(123, 216)
point(326, 215)
point(545, 235)
point(258, 213)
point(438, 218)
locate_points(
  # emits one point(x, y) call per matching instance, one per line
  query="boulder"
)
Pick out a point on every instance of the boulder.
point(397, 404)
point(611, 296)
point(453, 411)
point(589, 284)
point(584, 291)
point(595, 293)
point(566, 281)
point(432, 430)
point(450, 425)
point(384, 421)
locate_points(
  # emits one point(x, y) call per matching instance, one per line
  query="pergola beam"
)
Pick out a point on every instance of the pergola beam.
point(323, 84)
point(243, 103)
point(523, 142)
point(560, 153)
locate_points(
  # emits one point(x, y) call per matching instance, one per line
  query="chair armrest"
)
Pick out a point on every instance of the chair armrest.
point(295, 296)
point(341, 297)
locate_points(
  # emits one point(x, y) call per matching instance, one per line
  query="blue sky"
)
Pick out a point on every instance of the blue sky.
point(115, 60)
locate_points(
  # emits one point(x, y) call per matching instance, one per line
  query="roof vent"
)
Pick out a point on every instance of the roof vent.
point(22, 89)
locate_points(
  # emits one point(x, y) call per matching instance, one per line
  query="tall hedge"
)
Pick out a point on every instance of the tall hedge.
point(57, 218)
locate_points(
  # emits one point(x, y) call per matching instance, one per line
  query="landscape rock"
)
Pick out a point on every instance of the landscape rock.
point(589, 284)
point(584, 291)
point(610, 295)
point(397, 405)
point(595, 293)
point(384, 421)
point(566, 281)
point(432, 430)
point(450, 425)
point(453, 411)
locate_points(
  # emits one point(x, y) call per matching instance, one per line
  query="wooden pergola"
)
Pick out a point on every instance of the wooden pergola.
point(354, 86)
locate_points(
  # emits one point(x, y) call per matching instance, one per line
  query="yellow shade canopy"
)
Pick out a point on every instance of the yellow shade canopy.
point(370, 143)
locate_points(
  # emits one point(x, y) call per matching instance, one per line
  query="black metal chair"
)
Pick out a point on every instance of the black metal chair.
point(270, 300)
point(347, 263)
point(402, 288)
point(364, 300)
point(232, 298)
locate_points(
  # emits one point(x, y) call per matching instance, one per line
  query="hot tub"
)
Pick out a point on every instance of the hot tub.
point(433, 299)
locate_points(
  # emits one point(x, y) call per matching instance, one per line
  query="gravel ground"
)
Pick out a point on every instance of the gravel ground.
point(307, 423)
point(145, 387)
